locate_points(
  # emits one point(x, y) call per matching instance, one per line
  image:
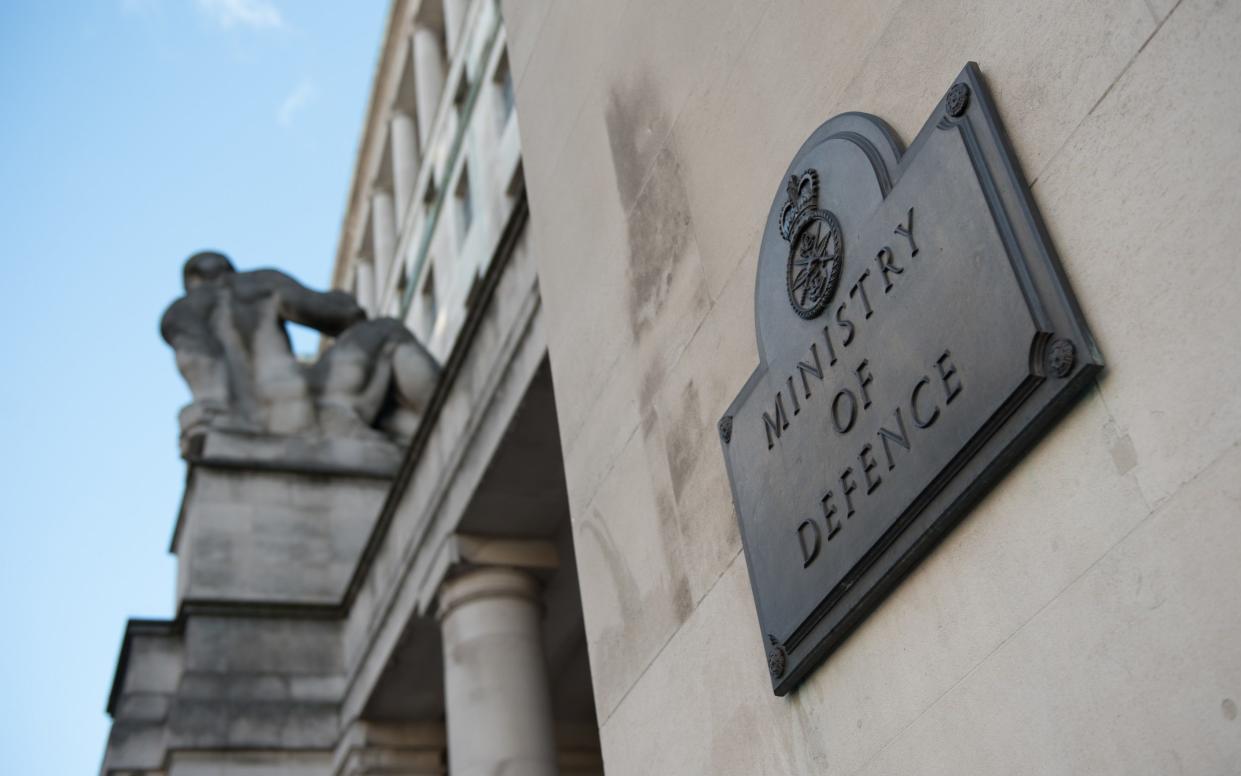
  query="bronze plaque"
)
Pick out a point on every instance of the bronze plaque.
point(916, 335)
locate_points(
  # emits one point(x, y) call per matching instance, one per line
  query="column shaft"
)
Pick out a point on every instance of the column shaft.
point(495, 676)
point(428, 78)
point(404, 161)
point(383, 236)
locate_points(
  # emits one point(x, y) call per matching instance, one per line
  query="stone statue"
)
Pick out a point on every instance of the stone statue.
point(228, 333)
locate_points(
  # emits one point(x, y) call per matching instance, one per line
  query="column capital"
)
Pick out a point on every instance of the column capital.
point(486, 583)
point(461, 554)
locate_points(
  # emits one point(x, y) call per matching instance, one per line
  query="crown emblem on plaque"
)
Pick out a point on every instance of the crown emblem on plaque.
point(816, 246)
point(803, 196)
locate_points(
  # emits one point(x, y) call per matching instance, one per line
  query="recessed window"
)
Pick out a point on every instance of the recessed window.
point(427, 306)
point(504, 91)
point(516, 182)
point(462, 94)
point(431, 194)
point(402, 286)
point(465, 204)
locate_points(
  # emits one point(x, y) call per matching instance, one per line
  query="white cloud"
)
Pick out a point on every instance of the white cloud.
point(258, 14)
point(302, 95)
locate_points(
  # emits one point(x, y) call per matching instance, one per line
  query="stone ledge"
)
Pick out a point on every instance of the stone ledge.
point(372, 456)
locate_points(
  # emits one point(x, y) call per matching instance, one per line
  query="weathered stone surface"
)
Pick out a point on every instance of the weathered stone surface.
point(703, 379)
point(248, 645)
point(228, 683)
point(249, 764)
point(290, 537)
point(362, 456)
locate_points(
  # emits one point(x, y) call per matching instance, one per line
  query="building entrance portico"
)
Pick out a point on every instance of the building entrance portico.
point(491, 648)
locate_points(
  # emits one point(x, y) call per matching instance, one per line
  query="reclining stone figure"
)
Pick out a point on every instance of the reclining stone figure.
point(228, 333)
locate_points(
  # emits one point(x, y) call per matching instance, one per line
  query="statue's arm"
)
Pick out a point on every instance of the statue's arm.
point(330, 312)
point(184, 326)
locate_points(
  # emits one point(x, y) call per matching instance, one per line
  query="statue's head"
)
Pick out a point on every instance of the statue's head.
point(205, 268)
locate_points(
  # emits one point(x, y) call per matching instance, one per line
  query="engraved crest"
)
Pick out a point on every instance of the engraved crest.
point(816, 246)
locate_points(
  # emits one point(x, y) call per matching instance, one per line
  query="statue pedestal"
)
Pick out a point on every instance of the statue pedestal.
point(249, 674)
point(277, 520)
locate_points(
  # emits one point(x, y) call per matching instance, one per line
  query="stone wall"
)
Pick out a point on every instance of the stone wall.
point(1083, 618)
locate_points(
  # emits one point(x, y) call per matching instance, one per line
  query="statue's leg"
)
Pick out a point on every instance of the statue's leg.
point(206, 374)
point(414, 377)
point(376, 377)
point(400, 423)
point(351, 386)
point(416, 374)
point(280, 382)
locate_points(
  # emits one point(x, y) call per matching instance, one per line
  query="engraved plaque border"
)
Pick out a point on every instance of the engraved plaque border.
point(1064, 362)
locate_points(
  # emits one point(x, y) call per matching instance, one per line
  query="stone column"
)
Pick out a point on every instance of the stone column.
point(404, 161)
point(383, 237)
point(495, 676)
point(454, 16)
point(365, 285)
point(428, 78)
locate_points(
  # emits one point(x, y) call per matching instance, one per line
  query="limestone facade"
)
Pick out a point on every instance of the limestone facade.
point(1082, 618)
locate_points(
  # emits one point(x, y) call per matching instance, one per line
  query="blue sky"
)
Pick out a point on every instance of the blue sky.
point(133, 133)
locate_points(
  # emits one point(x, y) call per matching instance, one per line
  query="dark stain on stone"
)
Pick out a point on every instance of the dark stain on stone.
point(658, 230)
point(670, 534)
point(652, 381)
point(636, 127)
point(648, 177)
point(682, 438)
point(668, 517)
